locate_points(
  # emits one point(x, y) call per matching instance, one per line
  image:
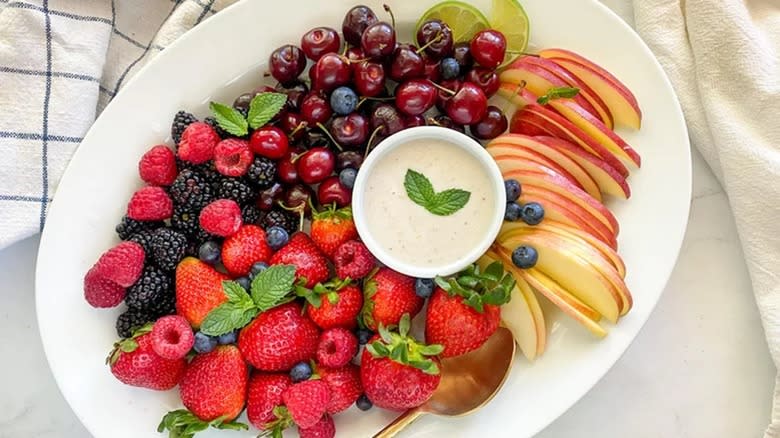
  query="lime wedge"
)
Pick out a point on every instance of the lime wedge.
point(464, 19)
point(509, 18)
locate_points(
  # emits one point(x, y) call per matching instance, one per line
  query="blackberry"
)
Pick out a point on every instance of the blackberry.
point(280, 218)
point(191, 191)
point(199, 238)
point(250, 214)
point(261, 173)
point(181, 121)
point(144, 238)
point(231, 188)
point(185, 221)
point(131, 320)
point(210, 173)
point(168, 248)
point(127, 227)
point(152, 292)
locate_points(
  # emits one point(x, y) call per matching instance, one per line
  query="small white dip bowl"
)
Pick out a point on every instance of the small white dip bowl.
point(457, 140)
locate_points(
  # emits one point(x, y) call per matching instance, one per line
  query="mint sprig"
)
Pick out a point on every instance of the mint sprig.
point(262, 109)
point(269, 289)
point(557, 93)
point(480, 287)
point(182, 423)
point(420, 190)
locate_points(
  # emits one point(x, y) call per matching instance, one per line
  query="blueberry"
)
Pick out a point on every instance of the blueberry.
point(257, 268)
point(343, 100)
point(450, 69)
point(204, 343)
point(513, 190)
point(423, 287)
point(228, 338)
point(245, 282)
point(300, 372)
point(363, 403)
point(209, 252)
point(276, 237)
point(533, 213)
point(513, 211)
point(347, 177)
point(525, 256)
point(364, 336)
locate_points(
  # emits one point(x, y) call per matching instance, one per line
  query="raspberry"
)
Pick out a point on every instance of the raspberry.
point(152, 292)
point(325, 428)
point(336, 348)
point(262, 172)
point(280, 218)
point(197, 143)
point(168, 248)
point(181, 121)
point(222, 217)
point(100, 291)
point(158, 166)
point(172, 337)
point(230, 188)
point(306, 402)
point(191, 190)
point(129, 227)
point(353, 260)
point(150, 204)
point(232, 157)
point(121, 264)
point(344, 384)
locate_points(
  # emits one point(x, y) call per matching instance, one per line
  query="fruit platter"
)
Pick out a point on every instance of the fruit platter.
point(301, 236)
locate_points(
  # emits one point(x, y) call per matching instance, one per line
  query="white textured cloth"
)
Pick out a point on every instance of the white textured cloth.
point(723, 57)
point(61, 61)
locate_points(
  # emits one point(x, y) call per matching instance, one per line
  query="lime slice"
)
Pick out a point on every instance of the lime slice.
point(509, 18)
point(464, 19)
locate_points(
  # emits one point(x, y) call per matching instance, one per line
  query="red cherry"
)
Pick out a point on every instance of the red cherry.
point(485, 79)
point(355, 22)
point(412, 121)
point(298, 196)
point(331, 70)
point(378, 40)
point(268, 197)
point(269, 142)
point(488, 48)
point(287, 63)
point(350, 131)
point(331, 190)
point(432, 70)
point(468, 105)
point(443, 96)
point(429, 31)
point(286, 170)
point(315, 165)
point(369, 78)
point(319, 41)
point(355, 54)
point(415, 96)
point(491, 126)
point(292, 124)
point(406, 64)
point(315, 109)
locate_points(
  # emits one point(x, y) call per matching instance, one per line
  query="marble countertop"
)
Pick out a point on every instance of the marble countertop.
point(700, 367)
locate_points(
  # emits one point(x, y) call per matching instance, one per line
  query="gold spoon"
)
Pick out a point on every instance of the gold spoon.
point(468, 382)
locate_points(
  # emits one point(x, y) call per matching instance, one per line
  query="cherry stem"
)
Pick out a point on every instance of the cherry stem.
point(438, 37)
point(390, 11)
point(325, 130)
point(446, 90)
point(296, 157)
point(371, 139)
point(519, 87)
point(378, 99)
point(300, 126)
point(299, 209)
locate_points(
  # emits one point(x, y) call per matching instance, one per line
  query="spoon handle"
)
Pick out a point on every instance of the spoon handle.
point(399, 423)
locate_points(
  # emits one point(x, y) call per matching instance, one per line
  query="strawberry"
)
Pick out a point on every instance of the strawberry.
point(344, 384)
point(396, 371)
point(198, 290)
point(388, 295)
point(279, 338)
point(331, 228)
point(307, 401)
point(134, 362)
point(464, 311)
point(245, 248)
point(325, 428)
point(213, 389)
point(309, 261)
point(339, 308)
point(264, 395)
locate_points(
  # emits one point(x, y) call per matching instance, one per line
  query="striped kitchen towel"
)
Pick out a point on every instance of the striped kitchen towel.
point(61, 62)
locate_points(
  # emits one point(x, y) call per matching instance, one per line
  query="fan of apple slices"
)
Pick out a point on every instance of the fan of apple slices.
point(568, 158)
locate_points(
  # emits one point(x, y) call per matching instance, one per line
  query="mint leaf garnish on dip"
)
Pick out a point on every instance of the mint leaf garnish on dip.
point(421, 192)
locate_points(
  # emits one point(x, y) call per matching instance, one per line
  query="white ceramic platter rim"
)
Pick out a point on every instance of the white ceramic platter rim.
point(211, 62)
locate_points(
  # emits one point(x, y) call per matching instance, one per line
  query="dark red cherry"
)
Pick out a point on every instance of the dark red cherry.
point(468, 105)
point(488, 48)
point(369, 78)
point(491, 126)
point(355, 22)
point(406, 64)
point(315, 165)
point(446, 122)
point(415, 96)
point(442, 97)
point(485, 79)
point(331, 71)
point(287, 63)
point(378, 40)
point(386, 117)
point(331, 190)
point(293, 125)
point(433, 29)
point(462, 53)
point(319, 41)
point(286, 170)
point(432, 71)
point(350, 131)
point(299, 196)
point(269, 197)
point(351, 159)
point(295, 95)
point(412, 121)
point(315, 109)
